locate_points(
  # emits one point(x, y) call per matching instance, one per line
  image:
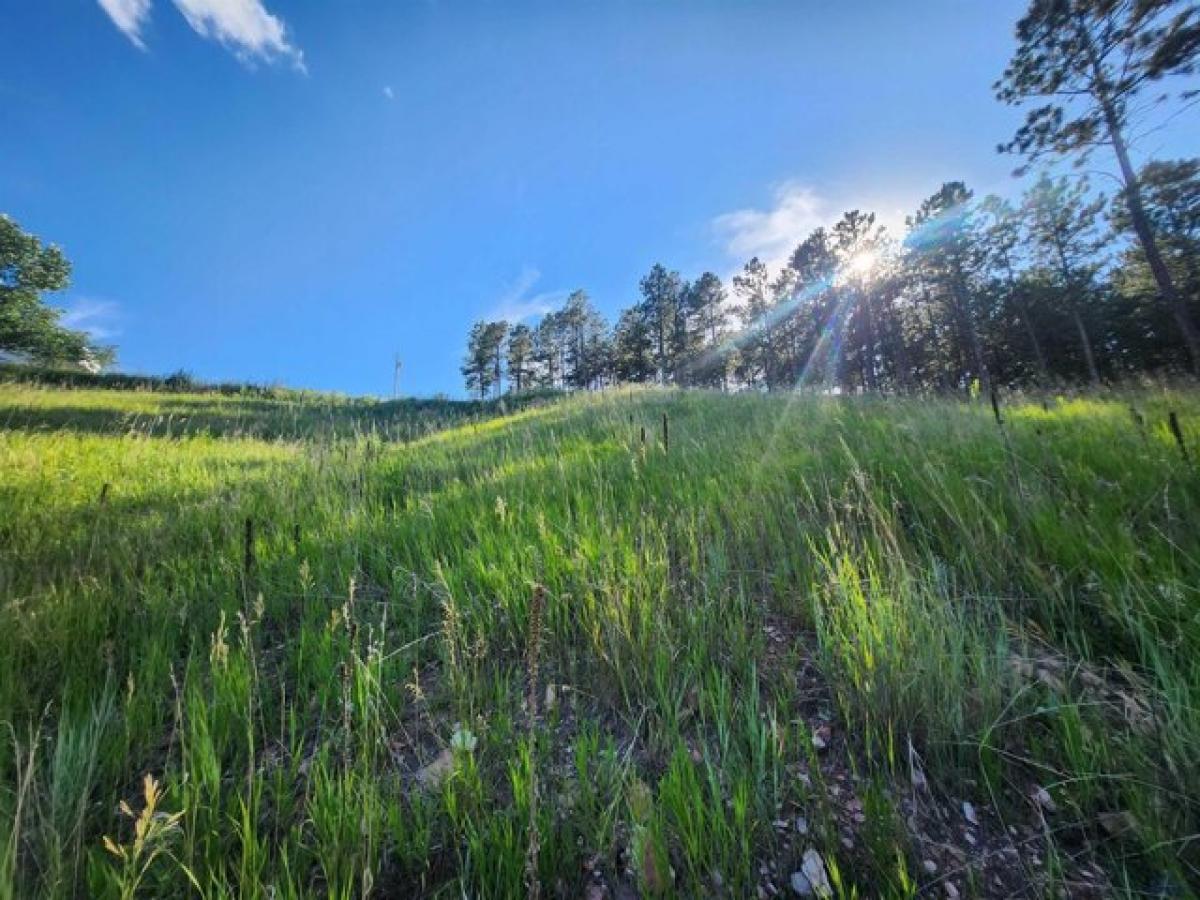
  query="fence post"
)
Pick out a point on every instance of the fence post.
point(248, 560)
point(1173, 422)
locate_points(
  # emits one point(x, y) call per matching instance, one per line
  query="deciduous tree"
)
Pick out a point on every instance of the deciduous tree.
point(29, 269)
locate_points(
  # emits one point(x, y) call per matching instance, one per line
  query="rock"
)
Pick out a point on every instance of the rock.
point(929, 866)
point(1116, 823)
point(801, 886)
point(951, 891)
point(1043, 799)
point(969, 813)
point(919, 782)
point(801, 825)
point(813, 869)
point(431, 776)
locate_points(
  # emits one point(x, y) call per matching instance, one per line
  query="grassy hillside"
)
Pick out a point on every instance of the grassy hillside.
point(155, 408)
point(887, 645)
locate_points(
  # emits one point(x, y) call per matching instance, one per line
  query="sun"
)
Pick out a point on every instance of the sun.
point(862, 263)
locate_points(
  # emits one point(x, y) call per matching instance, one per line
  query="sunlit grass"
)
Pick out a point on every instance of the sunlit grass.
point(1014, 607)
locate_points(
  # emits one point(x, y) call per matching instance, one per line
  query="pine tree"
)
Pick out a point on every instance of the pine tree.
point(1062, 216)
point(945, 254)
point(661, 295)
point(1090, 61)
point(1002, 233)
point(519, 357)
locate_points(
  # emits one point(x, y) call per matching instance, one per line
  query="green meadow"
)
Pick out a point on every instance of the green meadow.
point(639, 643)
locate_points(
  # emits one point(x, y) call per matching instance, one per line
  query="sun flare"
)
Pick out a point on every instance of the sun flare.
point(862, 264)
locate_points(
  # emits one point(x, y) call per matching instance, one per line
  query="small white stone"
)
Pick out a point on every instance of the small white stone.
point(800, 885)
point(1044, 800)
point(813, 869)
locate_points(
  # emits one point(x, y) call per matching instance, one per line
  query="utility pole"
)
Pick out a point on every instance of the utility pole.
point(396, 379)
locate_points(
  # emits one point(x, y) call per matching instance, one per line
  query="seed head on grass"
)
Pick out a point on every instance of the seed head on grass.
point(537, 609)
point(153, 831)
point(533, 649)
point(218, 653)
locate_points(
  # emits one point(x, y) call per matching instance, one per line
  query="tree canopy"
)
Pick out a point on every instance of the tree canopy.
point(28, 325)
point(1061, 285)
point(977, 292)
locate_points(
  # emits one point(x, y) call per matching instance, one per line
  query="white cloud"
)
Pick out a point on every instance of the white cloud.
point(244, 26)
point(770, 234)
point(388, 92)
point(99, 318)
point(129, 16)
point(796, 210)
point(517, 305)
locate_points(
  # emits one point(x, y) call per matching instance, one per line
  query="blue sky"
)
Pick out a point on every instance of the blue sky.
point(296, 190)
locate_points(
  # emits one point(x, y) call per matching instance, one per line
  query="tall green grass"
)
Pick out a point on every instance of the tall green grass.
point(352, 713)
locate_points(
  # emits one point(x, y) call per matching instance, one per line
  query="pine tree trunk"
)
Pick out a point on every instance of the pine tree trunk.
point(1141, 226)
point(1093, 372)
point(968, 324)
point(1027, 320)
point(900, 359)
point(873, 342)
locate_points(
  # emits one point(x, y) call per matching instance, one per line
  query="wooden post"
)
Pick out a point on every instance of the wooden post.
point(248, 560)
point(1173, 422)
point(666, 435)
point(996, 406)
point(1140, 422)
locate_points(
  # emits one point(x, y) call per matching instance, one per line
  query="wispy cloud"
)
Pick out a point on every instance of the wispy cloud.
point(516, 304)
point(796, 209)
point(243, 26)
point(388, 92)
point(770, 234)
point(99, 318)
point(129, 16)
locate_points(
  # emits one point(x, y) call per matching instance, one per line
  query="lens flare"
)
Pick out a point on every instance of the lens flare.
point(862, 264)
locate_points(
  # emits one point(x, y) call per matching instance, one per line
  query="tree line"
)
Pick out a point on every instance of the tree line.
point(1063, 285)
